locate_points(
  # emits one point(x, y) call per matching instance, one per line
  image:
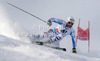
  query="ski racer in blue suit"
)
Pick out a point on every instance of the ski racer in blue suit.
point(57, 34)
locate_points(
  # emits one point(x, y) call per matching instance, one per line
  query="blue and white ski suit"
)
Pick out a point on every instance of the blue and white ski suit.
point(61, 31)
point(54, 36)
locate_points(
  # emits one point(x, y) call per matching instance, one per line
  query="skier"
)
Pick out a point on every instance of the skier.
point(53, 36)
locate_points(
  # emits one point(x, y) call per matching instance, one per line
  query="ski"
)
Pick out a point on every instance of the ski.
point(58, 48)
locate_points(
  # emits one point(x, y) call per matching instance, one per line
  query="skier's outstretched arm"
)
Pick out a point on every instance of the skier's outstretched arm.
point(73, 39)
point(55, 20)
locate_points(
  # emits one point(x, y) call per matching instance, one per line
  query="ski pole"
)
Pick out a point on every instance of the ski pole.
point(27, 12)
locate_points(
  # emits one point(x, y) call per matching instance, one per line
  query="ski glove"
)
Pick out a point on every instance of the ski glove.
point(74, 51)
point(49, 23)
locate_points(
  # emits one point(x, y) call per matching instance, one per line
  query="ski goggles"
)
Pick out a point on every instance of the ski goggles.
point(70, 23)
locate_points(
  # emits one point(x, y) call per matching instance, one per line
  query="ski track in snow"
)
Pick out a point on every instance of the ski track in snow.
point(15, 50)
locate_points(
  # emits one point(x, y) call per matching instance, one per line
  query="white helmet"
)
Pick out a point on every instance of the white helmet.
point(71, 19)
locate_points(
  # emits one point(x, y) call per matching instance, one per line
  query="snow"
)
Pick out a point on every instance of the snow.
point(15, 50)
point(15, 25)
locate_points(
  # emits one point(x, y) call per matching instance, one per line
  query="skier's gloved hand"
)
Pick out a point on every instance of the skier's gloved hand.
point(74, 51)
point(49, 23)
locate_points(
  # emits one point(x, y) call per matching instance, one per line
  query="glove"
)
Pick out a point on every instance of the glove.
point(74, 51)
point(49, 23)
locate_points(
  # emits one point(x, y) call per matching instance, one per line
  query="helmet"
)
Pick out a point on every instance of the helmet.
point(71, 19)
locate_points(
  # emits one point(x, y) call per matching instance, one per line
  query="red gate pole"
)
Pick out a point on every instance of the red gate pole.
point(88, 36)
point(77, 31)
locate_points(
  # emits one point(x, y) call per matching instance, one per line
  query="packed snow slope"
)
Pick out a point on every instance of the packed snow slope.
point(15, 50)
